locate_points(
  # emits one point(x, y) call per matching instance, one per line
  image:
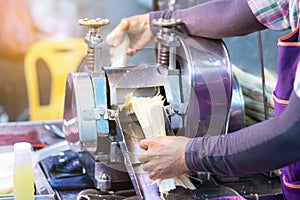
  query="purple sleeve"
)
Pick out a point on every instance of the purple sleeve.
point(215, 19)
point(262, 147)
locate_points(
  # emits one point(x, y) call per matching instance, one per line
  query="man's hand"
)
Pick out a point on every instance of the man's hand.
point(138, 30)
point(164, 156)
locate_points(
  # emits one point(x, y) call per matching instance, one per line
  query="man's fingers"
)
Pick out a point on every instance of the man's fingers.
point(144, 144)
point(154, 173)
point(112, 51)
point(131, 52)
point(115, 38)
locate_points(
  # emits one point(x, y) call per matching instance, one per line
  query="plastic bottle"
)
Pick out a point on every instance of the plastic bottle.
point(23, 172)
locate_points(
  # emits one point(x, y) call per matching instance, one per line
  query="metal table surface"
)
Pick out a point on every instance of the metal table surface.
point(250, 186)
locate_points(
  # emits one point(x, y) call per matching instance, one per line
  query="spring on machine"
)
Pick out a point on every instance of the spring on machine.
point(90, 58)
point(164, 55)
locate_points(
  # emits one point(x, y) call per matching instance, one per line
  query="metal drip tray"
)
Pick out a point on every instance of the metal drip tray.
point(249, 187)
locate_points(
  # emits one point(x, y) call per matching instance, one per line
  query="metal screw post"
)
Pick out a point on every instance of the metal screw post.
point(167, 42)
point(94, 42)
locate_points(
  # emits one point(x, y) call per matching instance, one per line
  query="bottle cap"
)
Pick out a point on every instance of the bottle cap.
point(22, 147)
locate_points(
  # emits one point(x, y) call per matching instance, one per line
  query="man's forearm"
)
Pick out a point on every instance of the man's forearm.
point(262, 147)
point(215, 19)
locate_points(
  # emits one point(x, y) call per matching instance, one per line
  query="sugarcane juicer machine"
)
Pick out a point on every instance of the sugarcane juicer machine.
point(193, 75)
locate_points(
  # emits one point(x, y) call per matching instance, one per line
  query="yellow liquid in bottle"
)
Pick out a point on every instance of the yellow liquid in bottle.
point(23, 182)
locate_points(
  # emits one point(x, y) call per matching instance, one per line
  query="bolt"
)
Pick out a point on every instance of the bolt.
point(101, 113)
point(112, 115)
point(176, 109)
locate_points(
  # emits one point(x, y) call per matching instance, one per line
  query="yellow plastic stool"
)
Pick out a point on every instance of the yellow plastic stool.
point(61, 57)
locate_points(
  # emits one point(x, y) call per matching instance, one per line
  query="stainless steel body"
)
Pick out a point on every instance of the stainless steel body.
point(196, 83)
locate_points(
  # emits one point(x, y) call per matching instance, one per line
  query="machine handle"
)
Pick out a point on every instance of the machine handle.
point(94, 23)
point(166, 23)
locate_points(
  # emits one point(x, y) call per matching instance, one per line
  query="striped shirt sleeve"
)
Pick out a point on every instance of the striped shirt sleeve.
point(276, 14)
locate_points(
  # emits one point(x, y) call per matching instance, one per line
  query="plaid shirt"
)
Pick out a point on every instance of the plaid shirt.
point(276, 14)
point(279, 15)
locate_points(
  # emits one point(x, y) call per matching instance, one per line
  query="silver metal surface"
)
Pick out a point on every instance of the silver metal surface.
point(131, 134)
point(103, 182)
point(79, 99)
point(197, 92)
point(237, 108)
point(167, 42)
point(94, 41)
point(54, 129)
point(206, 85)
point(139, 80)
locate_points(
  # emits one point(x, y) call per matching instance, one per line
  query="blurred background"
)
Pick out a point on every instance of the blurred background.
point(53, 19)
point(31, 20)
